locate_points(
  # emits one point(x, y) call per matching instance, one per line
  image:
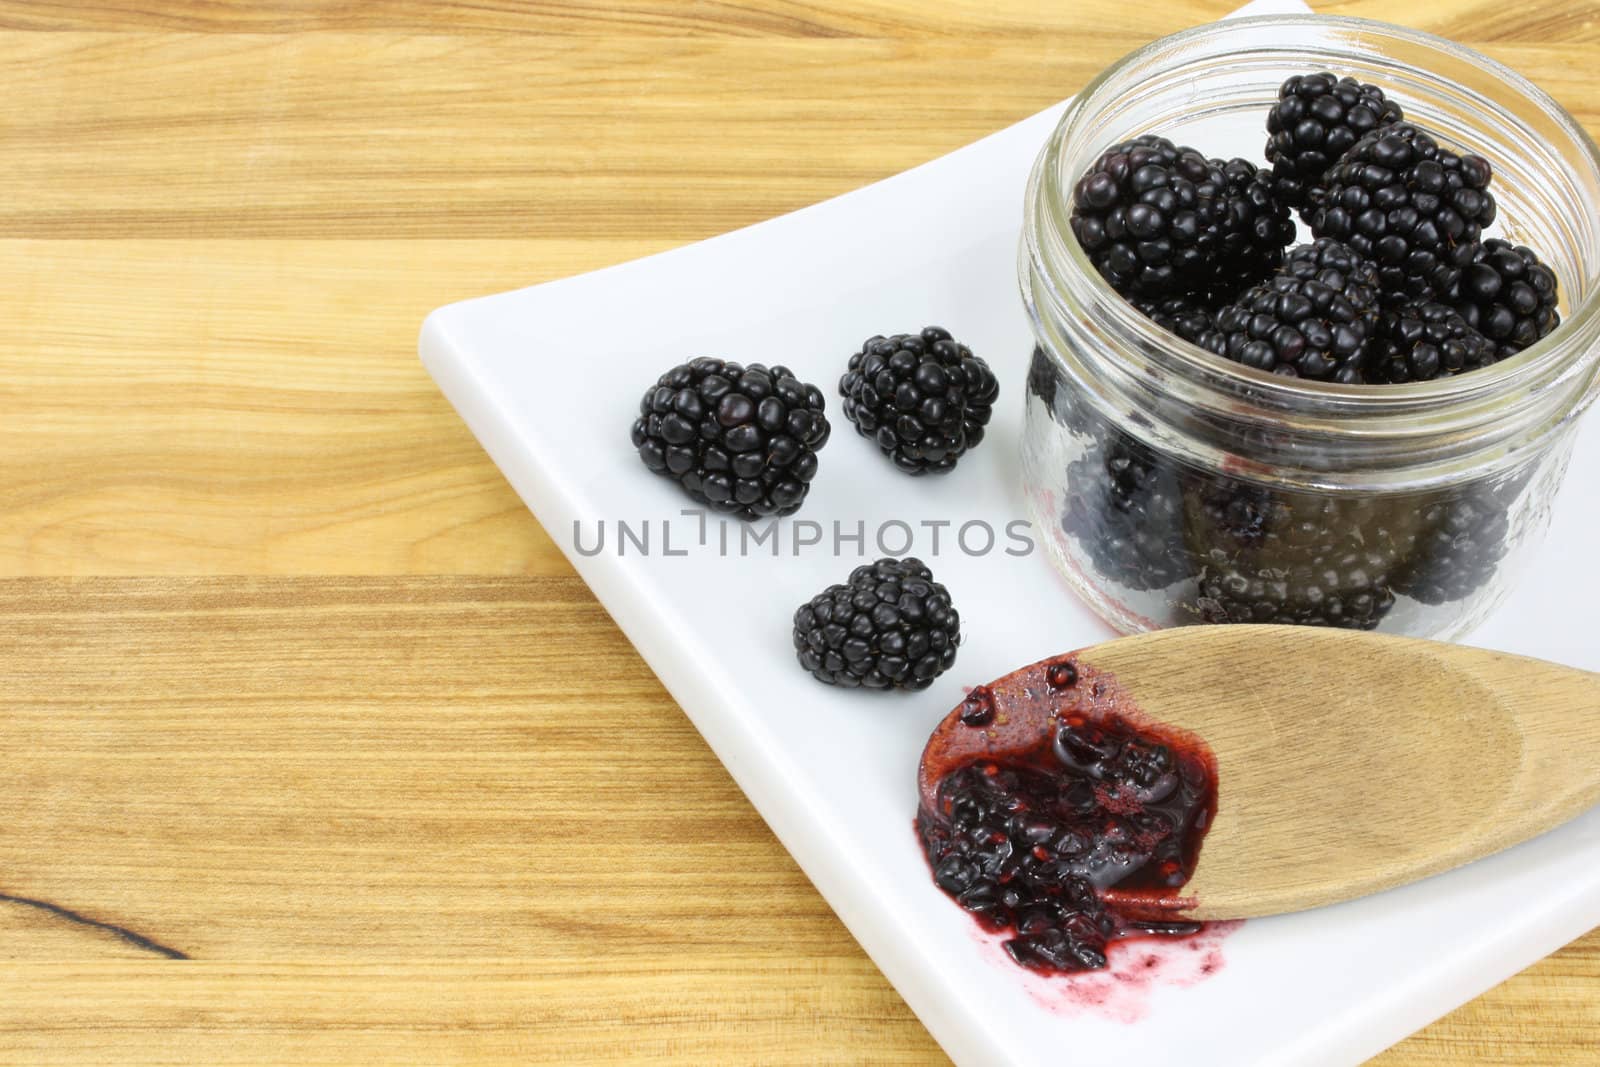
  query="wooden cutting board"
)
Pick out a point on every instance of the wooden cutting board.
point(295, 687)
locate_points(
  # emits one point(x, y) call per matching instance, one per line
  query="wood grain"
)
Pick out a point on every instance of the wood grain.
point(435, 136)
point(1463, 20)
point(444, 774)
point(737, 1009)
point(416, 768)
point(220, 224)
point(760, 19)
point(216, 406)
point(483, 136)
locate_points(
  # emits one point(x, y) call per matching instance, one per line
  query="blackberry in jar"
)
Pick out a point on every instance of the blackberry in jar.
point(1422, 340)
point(1507, 295)
point(1124, 507)
point(1159, 219)
point(1412, 207)
point(1312, 319)
point(1185, 317)
point(1316, 119)
point(1465, 533)
point(1269, 556)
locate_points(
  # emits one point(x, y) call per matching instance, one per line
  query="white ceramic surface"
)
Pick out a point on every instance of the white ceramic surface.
point(833, 771)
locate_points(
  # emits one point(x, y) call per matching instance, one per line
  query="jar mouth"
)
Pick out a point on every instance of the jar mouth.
point(1564, 358)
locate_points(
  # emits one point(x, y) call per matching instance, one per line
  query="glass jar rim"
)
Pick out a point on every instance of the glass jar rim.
point(1567, 353)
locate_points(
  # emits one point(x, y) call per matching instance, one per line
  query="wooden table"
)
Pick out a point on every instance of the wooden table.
point(294, 686)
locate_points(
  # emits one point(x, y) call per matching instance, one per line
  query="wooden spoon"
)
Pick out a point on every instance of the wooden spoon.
point(1347, 763)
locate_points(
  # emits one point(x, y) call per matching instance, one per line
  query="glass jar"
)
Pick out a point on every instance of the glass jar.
point(1172, 486)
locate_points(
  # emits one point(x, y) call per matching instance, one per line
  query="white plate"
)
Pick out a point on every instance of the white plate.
point(833, 771)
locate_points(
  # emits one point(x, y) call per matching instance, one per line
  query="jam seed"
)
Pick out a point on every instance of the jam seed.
point(1061, 675)
point(978, 709)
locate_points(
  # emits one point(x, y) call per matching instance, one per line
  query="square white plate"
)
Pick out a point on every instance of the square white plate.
point(833, 771)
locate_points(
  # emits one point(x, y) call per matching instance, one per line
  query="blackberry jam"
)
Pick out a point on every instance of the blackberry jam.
point(1176, 475)
point(1053, 813)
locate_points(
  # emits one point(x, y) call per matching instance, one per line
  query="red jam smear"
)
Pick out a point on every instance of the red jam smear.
point(1058, 814)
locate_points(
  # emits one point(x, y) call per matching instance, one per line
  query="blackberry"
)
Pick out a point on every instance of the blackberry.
point(1507, 295)
point(1331, 590)
point(1125, 511)
point(1465, 534)
point(1325, 254)
point(925, 398)
point(1422, 340)
point(1158, 219)
point(739, 439)
point(890, 626)
point(1413, 208)
point(1184, 316)
point(1042, 383)
point(1261, 229)
point(1235, 516)
point(1317, 119)
point(1273, 557)
point(1312, 319)
point(1066, 407)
